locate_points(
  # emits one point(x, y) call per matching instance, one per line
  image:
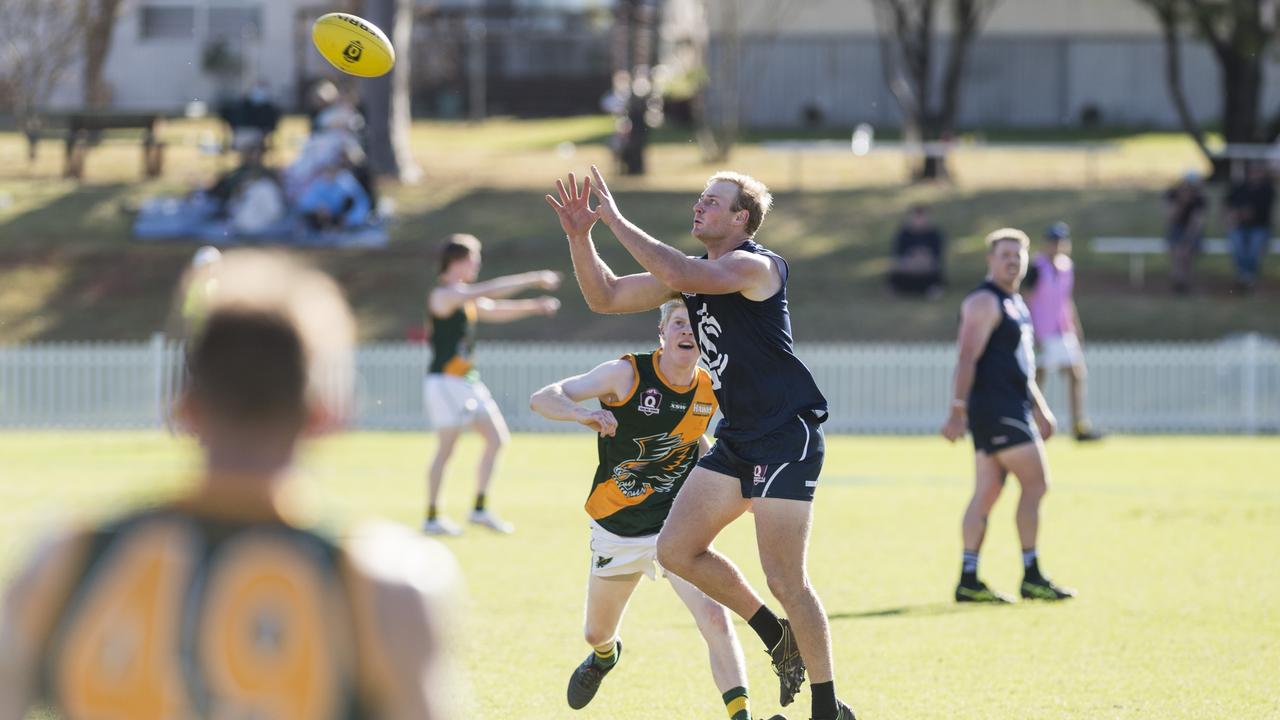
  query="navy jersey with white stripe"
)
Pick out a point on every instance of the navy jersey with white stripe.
point(1004, 371)
point(747, 347)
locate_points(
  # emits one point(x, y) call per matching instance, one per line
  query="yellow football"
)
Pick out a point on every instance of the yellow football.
point(353, 45)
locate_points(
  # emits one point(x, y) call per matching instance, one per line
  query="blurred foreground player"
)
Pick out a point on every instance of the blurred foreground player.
point(654, 410)
point(996, 397)
point(219, 605)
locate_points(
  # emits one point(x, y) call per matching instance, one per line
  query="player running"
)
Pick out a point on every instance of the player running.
point(654, 411)
point(452, 392)
point(997, 397)
point(769, 446)
point(220, 605)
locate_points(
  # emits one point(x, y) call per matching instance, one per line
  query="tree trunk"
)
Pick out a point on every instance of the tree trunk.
point(387, 97)
point(1241, 96)
point(98, 20)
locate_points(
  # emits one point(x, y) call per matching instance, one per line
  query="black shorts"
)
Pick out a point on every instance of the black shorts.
point(997, 432)
point(797, 479)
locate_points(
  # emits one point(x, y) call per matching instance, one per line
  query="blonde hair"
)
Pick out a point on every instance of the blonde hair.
point(1003, 234)
point(668, 308)
point(753, 196)
point(272, 340)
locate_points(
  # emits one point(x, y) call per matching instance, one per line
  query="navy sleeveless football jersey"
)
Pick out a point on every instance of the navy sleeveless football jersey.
point(1006, 366)
point(747, 347)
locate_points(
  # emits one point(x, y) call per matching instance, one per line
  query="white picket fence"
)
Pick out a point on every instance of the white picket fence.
point(1231, 386)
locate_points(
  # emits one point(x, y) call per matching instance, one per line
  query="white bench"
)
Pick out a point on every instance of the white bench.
point(1138, 248)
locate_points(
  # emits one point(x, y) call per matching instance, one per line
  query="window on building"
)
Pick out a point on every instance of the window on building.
point(168, 22)
point(234, 22)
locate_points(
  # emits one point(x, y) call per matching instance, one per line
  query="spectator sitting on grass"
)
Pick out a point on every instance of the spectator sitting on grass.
point(1249, 217)
point(917, 256)
point(1187, 209)
point(334, 200)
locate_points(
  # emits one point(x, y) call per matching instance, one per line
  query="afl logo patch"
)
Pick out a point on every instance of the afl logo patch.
point(650, 402)
point(702, 408)
point(351, 53)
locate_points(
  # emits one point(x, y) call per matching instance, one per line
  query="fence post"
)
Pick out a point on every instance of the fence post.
point(1249, 384)
point(158, 379)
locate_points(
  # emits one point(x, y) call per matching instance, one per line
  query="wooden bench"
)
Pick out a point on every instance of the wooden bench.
point(84, 130)
point(1138, 248)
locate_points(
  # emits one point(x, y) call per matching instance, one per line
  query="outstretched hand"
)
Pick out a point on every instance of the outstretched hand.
point(607, 210)
point(574, 207)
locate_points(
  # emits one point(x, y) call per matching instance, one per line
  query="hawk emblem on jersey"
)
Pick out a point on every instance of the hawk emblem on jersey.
point(663, 460)
point(708, 333)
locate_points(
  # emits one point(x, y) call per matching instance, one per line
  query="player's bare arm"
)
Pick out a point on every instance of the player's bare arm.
point(412, 586)
point(608, 381)
point(979, 316)
point(445, 300)
point(500, 311)
point(755, 276)
point(1046, 423)
point(604, 291)
point(26, 619)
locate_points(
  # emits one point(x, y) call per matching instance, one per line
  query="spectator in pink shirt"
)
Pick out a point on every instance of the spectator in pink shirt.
point(1048, 290)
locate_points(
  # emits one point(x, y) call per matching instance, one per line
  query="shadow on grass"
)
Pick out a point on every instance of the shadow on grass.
point(925, 610)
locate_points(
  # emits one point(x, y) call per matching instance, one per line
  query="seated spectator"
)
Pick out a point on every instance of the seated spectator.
point(1249, 217)
point(334, 200)
point(250, 195)
point(252, 118)
point(917, 256)
point(1187, 209)
point(334, 141)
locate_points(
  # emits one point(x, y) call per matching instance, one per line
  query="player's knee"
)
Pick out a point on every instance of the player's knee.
point(787, 586)
point(671, 555)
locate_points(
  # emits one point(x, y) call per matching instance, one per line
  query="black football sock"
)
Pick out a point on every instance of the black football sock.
point(766, 625)
point(824, 699)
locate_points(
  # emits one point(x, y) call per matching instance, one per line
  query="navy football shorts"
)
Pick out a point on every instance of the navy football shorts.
point(795, 479)
point(997, 432)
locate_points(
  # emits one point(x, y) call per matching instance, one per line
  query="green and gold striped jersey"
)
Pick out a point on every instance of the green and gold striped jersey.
point(453, 339)
point(645, 463)
point(176, 613)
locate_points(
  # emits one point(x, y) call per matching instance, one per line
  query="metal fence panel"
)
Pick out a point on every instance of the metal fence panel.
point(1231, 386)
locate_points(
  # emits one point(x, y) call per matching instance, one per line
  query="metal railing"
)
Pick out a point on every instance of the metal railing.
point(1231, 386)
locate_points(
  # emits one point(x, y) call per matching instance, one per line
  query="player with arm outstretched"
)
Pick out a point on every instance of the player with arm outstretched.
point(222, 604)
point(996, 398)
point(654, 410)
point(452, 392)
point(769, 445)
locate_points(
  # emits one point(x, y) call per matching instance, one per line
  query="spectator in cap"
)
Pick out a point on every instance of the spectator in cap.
point(1186, 210)
point(1049, 291)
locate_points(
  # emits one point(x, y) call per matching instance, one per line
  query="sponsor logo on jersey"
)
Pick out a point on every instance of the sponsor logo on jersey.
point(700, 408)
point(679, 407)
point(650, 402)
point(663, 459)
point(708, 332)
point(757, 475)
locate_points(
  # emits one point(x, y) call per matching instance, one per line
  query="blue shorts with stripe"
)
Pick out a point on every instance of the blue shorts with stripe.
point(796, 479)
point(1000, 431)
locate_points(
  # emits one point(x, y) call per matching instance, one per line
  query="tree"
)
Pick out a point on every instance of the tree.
point(634, 50)
point(98, 21)
point(1238, 32)
point(39, 42)
point(387, 97)
point(907, 45)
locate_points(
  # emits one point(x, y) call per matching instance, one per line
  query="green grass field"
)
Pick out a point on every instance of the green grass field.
point(1171, 542)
